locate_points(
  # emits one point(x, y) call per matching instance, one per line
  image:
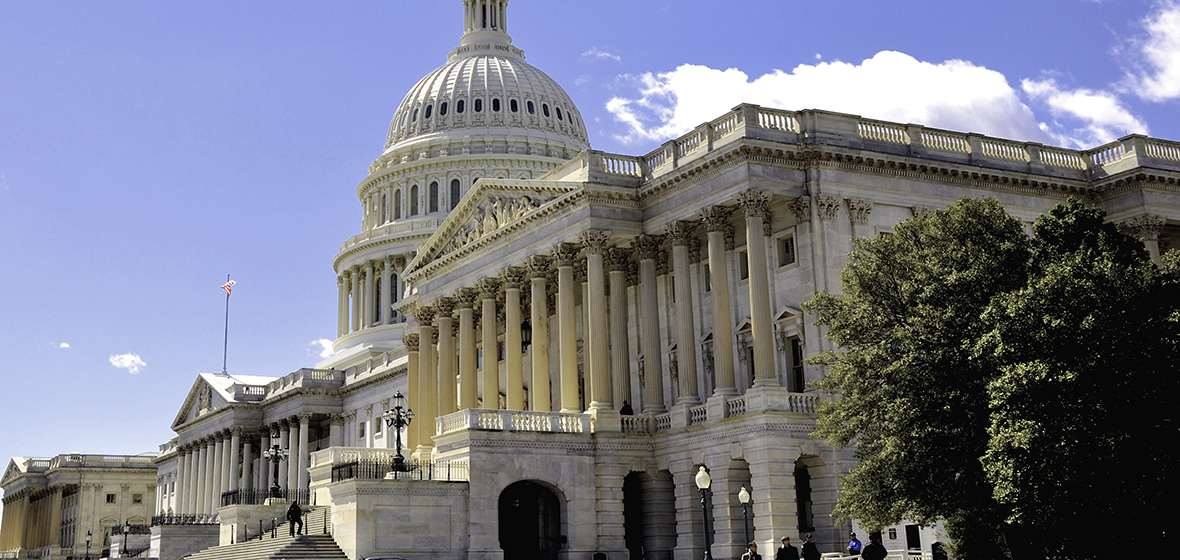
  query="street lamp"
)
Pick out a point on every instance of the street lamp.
point(89, 536)
point(274, 455)
point(526, 336)
point(398, 418)
point(703, 481)
point(126, 532)
point(744, 498)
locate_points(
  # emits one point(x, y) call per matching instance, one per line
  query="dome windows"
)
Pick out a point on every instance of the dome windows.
point(460, 106)
point(558, 113)
point(512, 106)
point(544, 109)
point(433, 196)
point(397, 204)
point(414, 118)
point(454, 193)
point(496, 105)
point(532, 108)
point(442, 109)
point(414, 200)
point(478, 105)
point(428, 109)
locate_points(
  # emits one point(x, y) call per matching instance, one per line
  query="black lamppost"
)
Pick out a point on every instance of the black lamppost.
point(89, 536)
point(126, 533)
point(526, 336)
point(744, 498)
point(703, 481)
point(275, 454)
point(398, 418)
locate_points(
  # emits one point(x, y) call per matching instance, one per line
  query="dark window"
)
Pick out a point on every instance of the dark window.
point(708, 279)
point(428, 109)
point(803, 498)
point(512, 106)
point(442, 109)
point(797, 366)
point(110, 498)
point(532, 108)
point(545, 109)
point(397, 204)
point(786, 251)
point(434, 196)
point(415, 117)
point(454, 193)
point(496, 105)
point(743, 265)
point(478, 105)
point(460, 106)
point(558, 113)
point(377, 304)
point(414, 200)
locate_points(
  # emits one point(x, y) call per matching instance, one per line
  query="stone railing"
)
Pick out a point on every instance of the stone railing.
point(348, 463)
point(697, 415)
point(803, 403)
point(309, 378)
point(636, 424)
point(404, 226)
point(513, 421)
point(735, 407)
point(822, 127)
point(103, 461)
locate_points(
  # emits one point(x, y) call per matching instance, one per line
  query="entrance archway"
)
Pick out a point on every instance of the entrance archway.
point(530, 522)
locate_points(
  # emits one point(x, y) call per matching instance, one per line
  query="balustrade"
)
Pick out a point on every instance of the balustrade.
point(513, 421)
point(945, 141)
point(884, 132)
point(1163, 150)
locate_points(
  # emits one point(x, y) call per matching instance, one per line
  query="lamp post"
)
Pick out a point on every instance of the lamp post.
point(274, 455)
point(398, 418)
point(126, 532)
point(703, 481)
point(744, 498)
point(526, 336)
point(89, 535)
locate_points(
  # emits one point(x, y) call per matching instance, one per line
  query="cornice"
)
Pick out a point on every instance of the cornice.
point(461, 163)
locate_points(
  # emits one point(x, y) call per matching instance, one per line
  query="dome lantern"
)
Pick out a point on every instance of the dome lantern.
point(485, 21)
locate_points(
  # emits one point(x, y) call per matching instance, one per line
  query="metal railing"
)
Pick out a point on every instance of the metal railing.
point(442, 471)
point(258, 497)
point(175, 519)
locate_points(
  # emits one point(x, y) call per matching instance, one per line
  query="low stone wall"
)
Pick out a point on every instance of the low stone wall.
point(171, 542)
point(240, 523)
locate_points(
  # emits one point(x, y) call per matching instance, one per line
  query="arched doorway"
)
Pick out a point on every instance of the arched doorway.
point(530, 522)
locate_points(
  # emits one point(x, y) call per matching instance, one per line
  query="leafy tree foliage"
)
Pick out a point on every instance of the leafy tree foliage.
point(1015, 387)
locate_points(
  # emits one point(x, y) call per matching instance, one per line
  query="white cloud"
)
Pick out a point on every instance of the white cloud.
point(1101, 115)
point(583, 80)
point(594, 54)
point(1155, 73)
point(955, 95)
point(64, 345)
point(130, 362)
point(322, 346)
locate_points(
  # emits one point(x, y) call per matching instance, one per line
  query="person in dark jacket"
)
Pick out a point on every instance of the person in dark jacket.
point(626, 410)
point(752, 552)
point(875, 550)
point(295, 517)
point(787, 551)
point(810, 551)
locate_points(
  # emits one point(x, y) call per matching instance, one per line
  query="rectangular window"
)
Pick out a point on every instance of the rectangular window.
point(110, 498)
point(786, 250)
point(137, 498)
point(744, 265)
point(360, 430)
point(377, 426)
point(501, 350)
point(708, 279)
point(797, 383)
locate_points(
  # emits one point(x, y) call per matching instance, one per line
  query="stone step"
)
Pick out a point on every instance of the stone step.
point(283, 546)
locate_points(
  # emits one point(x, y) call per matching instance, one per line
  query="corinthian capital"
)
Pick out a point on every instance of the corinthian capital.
point(564, 254)
point(489, 288)
point(715, 218)
point(539, 265)
point(1146, 227)
point(859, 210)
point(618, 258)
point(513, 277)
point(425, 314)
point(595, 241)
point(753, 203)
point(411, 342)
point(445, 306)
point(646, 246)
point(681, 232)
point(828, 207)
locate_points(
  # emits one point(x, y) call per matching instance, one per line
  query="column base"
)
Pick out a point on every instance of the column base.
point(766, 398)
point(423, 453)
point(679, 414)
point(603, 419)
point(717, 406)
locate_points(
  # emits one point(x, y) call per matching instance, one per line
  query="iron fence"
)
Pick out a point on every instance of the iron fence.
point(446, 471)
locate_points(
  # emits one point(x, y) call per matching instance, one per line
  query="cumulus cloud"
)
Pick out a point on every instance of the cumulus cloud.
point(955, 95)
point(1155, 58)
point(1100, 116)
point(64, 345)
point(129, 362)
point(595, 54)
point(323, 347)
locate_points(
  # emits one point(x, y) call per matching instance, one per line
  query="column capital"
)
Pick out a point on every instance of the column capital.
point(618, 259)
point(564, 254)
point(335, 419)
point(513, 277)
point(632, 275)
point(1146, 227)
point(539, 265)
point(304, 417)
point(445, 306)
point(411, 342)
point(753, 203)
point(694, 253)
point(828, 207)
point(801, 208)
point(859, 211)
point(580, 267)
point(346, 275)
point(237, 431)
point(489, 287)
point(425, 314)
point(340, 281)
point(389, 262)
point(662, 267)
point(730, 243)
point(681, 232)
point(594, 241)
point(715, 218)
point(465, 297)
point(647, 246)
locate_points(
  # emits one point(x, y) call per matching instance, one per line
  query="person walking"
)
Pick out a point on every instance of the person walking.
point(787, 551)
point(294, 517)
point(853, 546)
point(875, 550)
point(810, 551)
point(752, 552)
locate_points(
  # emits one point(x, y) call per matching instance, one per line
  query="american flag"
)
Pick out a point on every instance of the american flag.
point(228, 287)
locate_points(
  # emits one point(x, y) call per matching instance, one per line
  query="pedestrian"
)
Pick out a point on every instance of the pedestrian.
point(854, 546)
point(294, 517)
point(626, 410)
point(787, 551)
point(752, 552)
point(810, 551)
point(875, 550)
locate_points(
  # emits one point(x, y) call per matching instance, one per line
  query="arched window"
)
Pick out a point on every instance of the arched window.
point(428, 109)
point(460, 106)
point(397, 204)
point(496, 105)
point(544, 109)
point(414, 118)
point(377, 303)
point(512, 106)
point(478, 105)
point(532, 108)
point(558, 113)
point(454, 193)
point(414, 200)
point(384, 216)
point(434, 196)
point(442, 109)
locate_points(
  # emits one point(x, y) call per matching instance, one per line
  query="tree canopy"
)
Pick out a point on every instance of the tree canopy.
point(1012, 386)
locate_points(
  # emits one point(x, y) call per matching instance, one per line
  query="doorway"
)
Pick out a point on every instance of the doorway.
point(530, 522)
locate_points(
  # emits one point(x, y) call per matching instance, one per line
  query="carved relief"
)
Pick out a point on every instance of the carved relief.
point(538, 265)
point(681, 232)
point(497, 212)
point(715, 218)
point(445, 307)
point(466, 297)
point(425, 314)
point(753, 203)
point(828, 207)
point(594, 241)
point(859, 211)
point(618, 259)
point(1146, 227)
point(564, 254)
point(513, 277)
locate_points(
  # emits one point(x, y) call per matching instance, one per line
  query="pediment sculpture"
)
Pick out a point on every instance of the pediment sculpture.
point(496, 212)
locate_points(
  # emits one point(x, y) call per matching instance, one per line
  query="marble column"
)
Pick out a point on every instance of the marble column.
point(182, 479)
point(341, 307)
point(753, 204)
point(225, 477)
point(446, 361)
point(564, 255)
point(335, 430)
point(304, 450)
point(686, 355)
point(513, 357)
point(217, 464)
point(294, 438)
point(489, 288)
point(648, 249)
point(210, 475)
point(541, 398)
point(384, 312)
point(716, 219)
point(235, 441)
point(598, 328)
point(427, 382)
point(192, 499)
point(1148, 228)
point(284, 443)
point(245, 481)
point(618, 260)
point(266, 470)
point(370, 291)
point(355, 274)
point(468, 389)
point(410, 340)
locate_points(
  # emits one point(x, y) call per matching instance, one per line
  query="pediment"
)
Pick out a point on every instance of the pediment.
point(11, 473)
point(491, 209)
point(201, 400)
point(788, 313)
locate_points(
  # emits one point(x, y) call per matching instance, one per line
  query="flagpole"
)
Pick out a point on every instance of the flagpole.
point(225, 344)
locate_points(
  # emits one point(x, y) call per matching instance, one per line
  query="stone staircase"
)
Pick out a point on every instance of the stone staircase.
point(312, 545)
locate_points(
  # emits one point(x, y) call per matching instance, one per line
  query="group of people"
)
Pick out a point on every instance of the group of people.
point(874, 551)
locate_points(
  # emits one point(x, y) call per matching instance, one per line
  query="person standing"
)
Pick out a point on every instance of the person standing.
point(875, 550)
point(854, 546)
point(787, 551)
point(752, 552)
point(810, 551)
point(294, 517)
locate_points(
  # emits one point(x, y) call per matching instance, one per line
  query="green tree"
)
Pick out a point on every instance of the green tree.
point(941, 329)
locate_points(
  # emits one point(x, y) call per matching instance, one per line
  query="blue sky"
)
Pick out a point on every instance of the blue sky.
point(147, 149)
